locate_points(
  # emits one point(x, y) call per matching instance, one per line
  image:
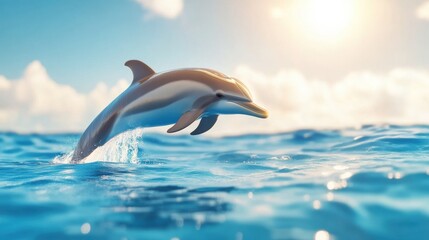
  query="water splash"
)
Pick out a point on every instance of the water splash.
point(121, 149)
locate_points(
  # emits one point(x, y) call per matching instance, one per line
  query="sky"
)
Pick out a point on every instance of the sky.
point(311, 63)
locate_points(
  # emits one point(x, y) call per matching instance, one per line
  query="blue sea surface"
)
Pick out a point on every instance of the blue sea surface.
point(365, 183)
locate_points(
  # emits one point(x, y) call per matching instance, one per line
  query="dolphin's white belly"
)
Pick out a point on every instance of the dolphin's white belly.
point(161, 116)
point(175, 99)
point(157, 117)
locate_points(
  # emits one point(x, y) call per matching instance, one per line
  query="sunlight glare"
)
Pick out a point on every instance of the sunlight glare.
point(326, 19)
point(277, 12)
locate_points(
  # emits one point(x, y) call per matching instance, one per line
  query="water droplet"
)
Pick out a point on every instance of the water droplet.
point(199, 220)
point(346, 175)
point(317, 204)
point(333, 185)
point(321, 235)
point(330, 196)
point(357, 138)
point(85, 228)
point(394, 175)
point(133, 195)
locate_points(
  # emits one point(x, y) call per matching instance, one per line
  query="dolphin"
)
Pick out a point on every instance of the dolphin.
point(177, 97)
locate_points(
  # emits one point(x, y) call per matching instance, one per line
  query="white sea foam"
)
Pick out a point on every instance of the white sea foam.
point(121, 149)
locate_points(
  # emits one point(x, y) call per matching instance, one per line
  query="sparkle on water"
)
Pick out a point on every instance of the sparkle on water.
point(366, 183)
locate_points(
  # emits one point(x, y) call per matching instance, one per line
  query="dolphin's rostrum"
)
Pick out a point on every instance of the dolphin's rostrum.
point(177, 97)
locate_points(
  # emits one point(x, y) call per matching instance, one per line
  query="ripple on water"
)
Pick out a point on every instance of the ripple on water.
point(369, 182)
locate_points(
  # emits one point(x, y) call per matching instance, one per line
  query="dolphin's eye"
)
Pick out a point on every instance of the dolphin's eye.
point(219, 95)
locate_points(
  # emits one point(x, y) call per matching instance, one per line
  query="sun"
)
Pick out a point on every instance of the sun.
point(325, 19)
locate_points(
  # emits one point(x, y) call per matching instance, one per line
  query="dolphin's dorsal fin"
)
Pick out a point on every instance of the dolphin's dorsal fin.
point(140, 70)
point(206, 124)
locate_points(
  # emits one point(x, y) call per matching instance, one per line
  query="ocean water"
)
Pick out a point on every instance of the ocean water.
point(366, 183)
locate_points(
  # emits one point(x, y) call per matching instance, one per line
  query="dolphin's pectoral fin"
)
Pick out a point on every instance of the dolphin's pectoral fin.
point(185, 120)
point(139, 69)
point(206, 124)
point(198, 108)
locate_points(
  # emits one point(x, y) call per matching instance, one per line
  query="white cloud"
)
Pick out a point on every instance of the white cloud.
point(423, 11)
point(400, 96)
point(36, 103)
point(165, 8)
